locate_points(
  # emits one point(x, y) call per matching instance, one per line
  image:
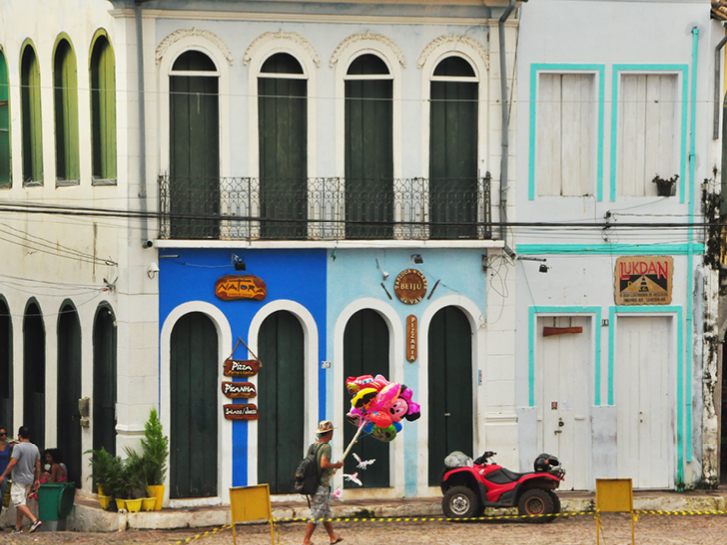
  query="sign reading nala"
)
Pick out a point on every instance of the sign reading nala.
point(644, 280)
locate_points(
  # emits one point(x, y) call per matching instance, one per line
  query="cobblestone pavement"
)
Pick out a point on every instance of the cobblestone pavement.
point(650, 530)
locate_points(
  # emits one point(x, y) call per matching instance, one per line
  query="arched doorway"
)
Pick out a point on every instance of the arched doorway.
point(280, 400)
point(69, 391)
point(34, 373)
point(366, 352)
point(450, 388)
point(194, 385)
point(6, 366)
point(104, 380)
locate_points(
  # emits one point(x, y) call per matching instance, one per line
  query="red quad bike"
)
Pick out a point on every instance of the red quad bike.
point(468, 489)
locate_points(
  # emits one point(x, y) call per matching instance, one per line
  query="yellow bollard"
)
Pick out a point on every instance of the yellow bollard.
point(249, 503)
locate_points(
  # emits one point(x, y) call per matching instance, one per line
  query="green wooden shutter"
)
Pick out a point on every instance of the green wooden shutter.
point(5, 147)
point(283, 128)
point(453, 152)
point(66, 113)
point(281, 387)
point(366, 352)
point(194, 387)
point(69, 376)
point(450, 388)
point(105, 387)
point(31, 117)
point(34, 374)
point(369, 151)
point(103, 110)
point(6, 367)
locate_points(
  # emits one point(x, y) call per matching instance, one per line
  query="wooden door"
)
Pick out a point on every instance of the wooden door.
point(453, 194)
point(34, 374)
point(563, 368)
point(281, 439)
point(644, 409)
point(6, 367)
point(103, 418)
point(194, 383)
point(450, 389)
point(366, 352)
point(69, 376)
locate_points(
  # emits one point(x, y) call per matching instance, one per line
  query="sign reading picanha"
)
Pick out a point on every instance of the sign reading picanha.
point(240, 286)
point(644, 280)
point(235, 390)
point(410, 286)
point(243, 411)
point(241, 368)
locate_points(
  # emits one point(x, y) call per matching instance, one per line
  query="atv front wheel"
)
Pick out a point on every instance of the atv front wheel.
point(538, 504)
point(460, 502)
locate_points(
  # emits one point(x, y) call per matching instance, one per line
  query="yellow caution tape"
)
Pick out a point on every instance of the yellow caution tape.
point(203, 534)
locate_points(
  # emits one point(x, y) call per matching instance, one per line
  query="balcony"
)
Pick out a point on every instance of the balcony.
point(324, 209)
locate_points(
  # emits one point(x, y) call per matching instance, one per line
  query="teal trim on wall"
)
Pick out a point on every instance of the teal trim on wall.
point(609, 249)
point(684, 69)
point(673, 310)
point(549, 67)
point(550, 310)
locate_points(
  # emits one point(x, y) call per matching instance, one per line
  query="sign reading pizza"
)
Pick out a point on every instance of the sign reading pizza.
point(410, 286)
point(241, 368)
point(644, 280)
point(411, 338)
point(235, 390)
point(240, 286)
point(243, 411)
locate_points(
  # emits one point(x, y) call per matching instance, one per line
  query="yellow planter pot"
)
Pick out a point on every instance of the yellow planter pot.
point(148, 504)
point(100, 490)
point(104, 501)
point(133, 506)
point(120, 504)
point(156, 491)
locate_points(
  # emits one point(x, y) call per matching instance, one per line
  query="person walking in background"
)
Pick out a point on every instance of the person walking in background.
point(24, 466)
point(321, 508)
point(5, 450)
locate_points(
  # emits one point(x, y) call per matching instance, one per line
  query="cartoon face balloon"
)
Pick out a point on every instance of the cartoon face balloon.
point(399, 409)
point(363, 399)
point(385, 434)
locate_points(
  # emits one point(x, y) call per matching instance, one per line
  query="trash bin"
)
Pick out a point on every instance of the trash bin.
point(55, 503)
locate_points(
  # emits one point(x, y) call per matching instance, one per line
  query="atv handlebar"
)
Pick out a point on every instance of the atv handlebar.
point(485, 456)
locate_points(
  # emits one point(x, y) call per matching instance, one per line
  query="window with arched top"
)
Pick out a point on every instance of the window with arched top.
point(65, 95)
point(5, 149)
point(194, 161)
point(453, 185)
point(103, 111)
point(283, 145)
point(369, 154)
point(32, 135)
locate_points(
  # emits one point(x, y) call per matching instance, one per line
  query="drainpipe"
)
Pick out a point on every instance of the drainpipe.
point(505, 122)
point(145, 242)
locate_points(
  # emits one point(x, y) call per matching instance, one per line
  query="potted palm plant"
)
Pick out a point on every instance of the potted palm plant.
point(155, 451)
point(133, 482)
point(102, 463)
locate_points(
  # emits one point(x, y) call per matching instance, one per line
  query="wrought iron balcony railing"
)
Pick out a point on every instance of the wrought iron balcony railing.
point(324, 209)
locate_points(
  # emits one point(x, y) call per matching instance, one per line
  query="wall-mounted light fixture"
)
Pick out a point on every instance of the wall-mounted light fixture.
point(543, 268)
point(152, 270)
point(238, 262)
point(417, 258)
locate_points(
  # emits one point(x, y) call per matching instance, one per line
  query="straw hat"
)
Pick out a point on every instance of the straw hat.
point(325, 426)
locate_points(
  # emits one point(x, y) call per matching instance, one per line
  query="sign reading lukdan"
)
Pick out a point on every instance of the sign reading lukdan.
point(241, 368)
point(644, 280)
point(243, 411)
point(240, 286)
point(235, 390)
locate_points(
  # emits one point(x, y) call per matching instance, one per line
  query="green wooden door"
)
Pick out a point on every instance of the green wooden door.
point(194, 147)
point(69, 376)
point(366, 352)
point(65, 92)
point(369, 149)
point(103, 418)
point(194, 385)
point(283, 126)
point(450, 388)
point(453, 151)
point(34, 374)
point(281, 439)
point(6, 367)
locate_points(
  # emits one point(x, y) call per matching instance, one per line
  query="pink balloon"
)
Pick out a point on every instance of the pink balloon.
point(399, 409)
point(386, 397)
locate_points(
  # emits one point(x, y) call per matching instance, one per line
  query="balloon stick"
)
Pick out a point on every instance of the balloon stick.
point(350, 445)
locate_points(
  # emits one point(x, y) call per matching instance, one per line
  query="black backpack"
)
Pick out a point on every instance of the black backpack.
point(308, 474)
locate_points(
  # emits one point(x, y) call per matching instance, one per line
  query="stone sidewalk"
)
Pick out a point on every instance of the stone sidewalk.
point(89, 517)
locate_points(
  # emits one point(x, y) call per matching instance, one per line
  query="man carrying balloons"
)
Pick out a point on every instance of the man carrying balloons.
point(321, 508)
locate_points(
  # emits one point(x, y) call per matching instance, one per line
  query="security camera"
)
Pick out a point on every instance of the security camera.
point(385, 275)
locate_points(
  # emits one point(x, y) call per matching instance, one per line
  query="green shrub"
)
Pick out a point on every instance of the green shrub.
point(154, 450)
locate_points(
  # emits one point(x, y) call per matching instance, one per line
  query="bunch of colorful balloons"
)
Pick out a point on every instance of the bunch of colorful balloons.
point(379, 405)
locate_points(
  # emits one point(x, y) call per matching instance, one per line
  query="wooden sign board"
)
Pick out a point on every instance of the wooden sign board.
point(240, 286)
point(242, 411)
point(410, 286)
point(241, 368)
point(411, 338)
point(643, 280)
point(237, 390)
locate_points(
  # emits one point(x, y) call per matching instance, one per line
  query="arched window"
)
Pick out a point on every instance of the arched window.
point(34, 372)
point(453, 195)
point(65, 94)
point(282, 122)
point(103, 111)
point(369, 149)
point(5, 169)
point(31, 117)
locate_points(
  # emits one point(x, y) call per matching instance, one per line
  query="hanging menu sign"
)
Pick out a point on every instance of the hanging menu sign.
point(411, 338)
point(243, 411)
point(241, 368)
point(644, 280)
point(236, 390)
